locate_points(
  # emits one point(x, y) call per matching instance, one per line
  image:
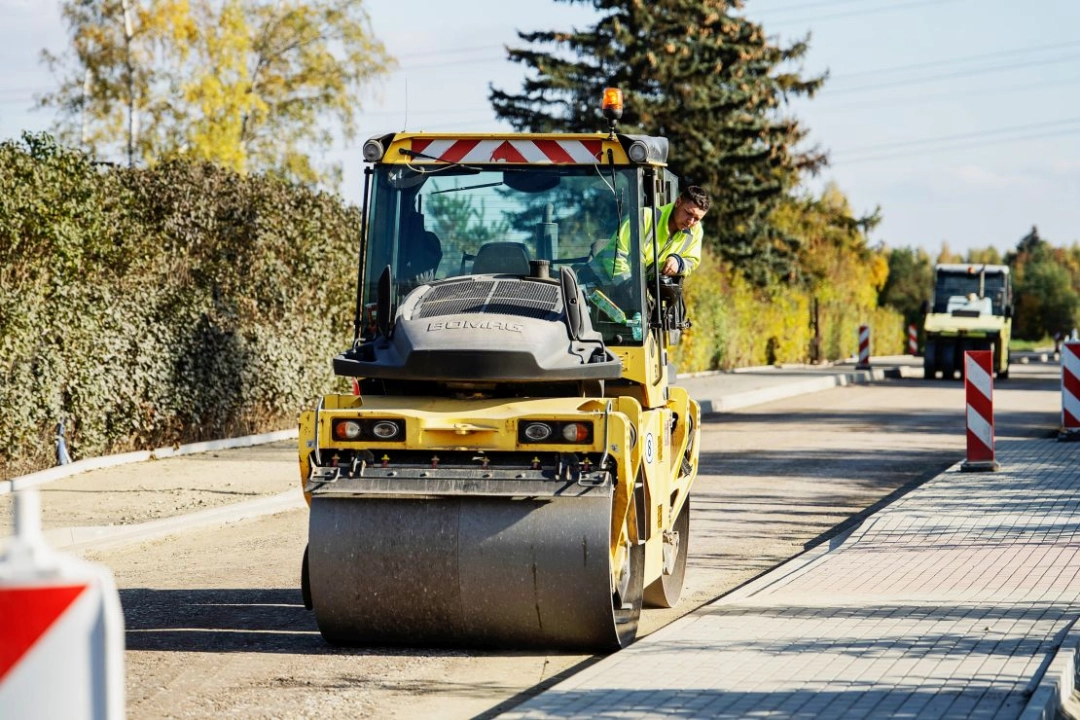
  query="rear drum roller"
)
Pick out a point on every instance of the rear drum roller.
point(474, 571)
point(666, 590)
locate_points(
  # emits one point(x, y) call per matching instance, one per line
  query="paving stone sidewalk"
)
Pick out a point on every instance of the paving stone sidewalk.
point(952, 602)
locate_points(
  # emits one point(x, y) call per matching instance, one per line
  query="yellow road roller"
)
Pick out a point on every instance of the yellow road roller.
point(513, 466)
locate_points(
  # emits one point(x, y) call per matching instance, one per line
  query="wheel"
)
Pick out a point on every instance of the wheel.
point(666, 590)
point(930, 359)
point(948, 361)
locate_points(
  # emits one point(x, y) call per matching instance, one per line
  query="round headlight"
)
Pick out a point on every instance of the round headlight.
point(385, 429)
point(638, 152)
point(538, 432)
point(347, 430)
point(575, 432)
point(373, 151)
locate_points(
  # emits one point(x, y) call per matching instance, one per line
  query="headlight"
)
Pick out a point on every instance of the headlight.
point(549, 432)
point(385, 429)
point(638, 152)
point(373, 151)
point(358, 430)
point(537, 431)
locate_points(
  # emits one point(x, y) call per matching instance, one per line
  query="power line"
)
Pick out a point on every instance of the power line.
point(958, 141)
point(909, 101)
point(950, 75)
point(807, 6)
point(967, 135)
point(996, 55)
point(859, 13)
point(966, 146)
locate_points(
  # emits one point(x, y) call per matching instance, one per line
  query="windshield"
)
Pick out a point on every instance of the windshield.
point(951, 289)
point(444, 222)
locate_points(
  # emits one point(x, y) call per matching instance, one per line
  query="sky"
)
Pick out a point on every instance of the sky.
point(958, 119)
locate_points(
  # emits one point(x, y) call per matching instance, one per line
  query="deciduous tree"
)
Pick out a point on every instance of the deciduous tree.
point(249, 84)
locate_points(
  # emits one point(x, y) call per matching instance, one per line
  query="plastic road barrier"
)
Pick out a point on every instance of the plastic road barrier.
point(864, 346)
point(979, 391)
point(1070, 391)
point(61, 629)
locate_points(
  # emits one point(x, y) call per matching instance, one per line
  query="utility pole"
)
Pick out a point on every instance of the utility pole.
point(133, 121)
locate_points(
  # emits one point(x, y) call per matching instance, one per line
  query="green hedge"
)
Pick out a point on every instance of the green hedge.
point(154, 307)
point(147, 308)
point(738, 325)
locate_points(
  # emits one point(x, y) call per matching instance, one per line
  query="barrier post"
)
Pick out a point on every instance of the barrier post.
point(61, 629)
point(1070, 391)
point(979, 391)
point(864, 348)
point(912, 339)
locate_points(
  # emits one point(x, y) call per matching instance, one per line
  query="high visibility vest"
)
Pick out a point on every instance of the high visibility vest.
point(613, 262)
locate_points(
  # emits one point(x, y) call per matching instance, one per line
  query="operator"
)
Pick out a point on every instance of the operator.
point(679, 239)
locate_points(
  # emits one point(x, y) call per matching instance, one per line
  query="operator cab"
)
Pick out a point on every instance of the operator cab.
point(449, 222)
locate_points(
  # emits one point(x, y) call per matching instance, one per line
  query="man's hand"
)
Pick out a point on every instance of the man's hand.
point(671, 267)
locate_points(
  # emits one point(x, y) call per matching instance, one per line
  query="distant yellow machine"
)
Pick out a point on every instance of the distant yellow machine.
point(515, 470)
point(971, 310)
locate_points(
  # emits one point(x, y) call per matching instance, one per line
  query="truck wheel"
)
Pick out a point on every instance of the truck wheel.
point(948, 360)
point(929, 361)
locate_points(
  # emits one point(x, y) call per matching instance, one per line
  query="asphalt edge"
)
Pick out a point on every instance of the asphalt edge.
point(106, 461)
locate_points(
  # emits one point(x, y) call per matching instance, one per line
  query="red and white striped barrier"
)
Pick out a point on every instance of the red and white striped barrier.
point(61, 629)
point(864, 347)
point(538, 150)
point(979, 389)
point(912, 340)
point(1070, 391)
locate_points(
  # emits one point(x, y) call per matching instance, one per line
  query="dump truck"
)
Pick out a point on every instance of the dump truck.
point(513, 466)
point(971, 309)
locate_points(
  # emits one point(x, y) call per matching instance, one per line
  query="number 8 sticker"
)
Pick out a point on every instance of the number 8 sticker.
point(649, 448)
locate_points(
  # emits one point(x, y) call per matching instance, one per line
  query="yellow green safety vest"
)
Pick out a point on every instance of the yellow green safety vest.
point(616, 255)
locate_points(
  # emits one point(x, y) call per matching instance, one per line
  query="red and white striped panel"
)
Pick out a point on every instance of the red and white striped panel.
point(864, 344)
point(539, 151)
point(979, 389)
point(912, 339)
point(1070, 386)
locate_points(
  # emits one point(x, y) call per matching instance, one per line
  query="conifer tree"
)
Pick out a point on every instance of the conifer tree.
point(701, 74)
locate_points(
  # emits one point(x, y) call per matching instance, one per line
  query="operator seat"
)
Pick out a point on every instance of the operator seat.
point(508, 258)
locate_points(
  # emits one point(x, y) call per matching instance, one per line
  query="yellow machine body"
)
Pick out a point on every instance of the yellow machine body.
point(515, 467)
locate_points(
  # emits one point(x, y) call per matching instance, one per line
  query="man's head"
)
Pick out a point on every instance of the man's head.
point(690, 208)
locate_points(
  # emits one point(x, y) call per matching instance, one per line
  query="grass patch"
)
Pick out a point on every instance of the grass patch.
point(1029, 345)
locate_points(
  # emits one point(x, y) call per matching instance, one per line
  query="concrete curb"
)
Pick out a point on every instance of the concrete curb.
point(1051, 695)
point(103, 537)
point(80, 466)
point(780, 392)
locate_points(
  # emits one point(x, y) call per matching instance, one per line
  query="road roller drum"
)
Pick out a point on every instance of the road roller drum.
point(480, 571)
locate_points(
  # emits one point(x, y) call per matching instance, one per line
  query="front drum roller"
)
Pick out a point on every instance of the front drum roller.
point(474, 571)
